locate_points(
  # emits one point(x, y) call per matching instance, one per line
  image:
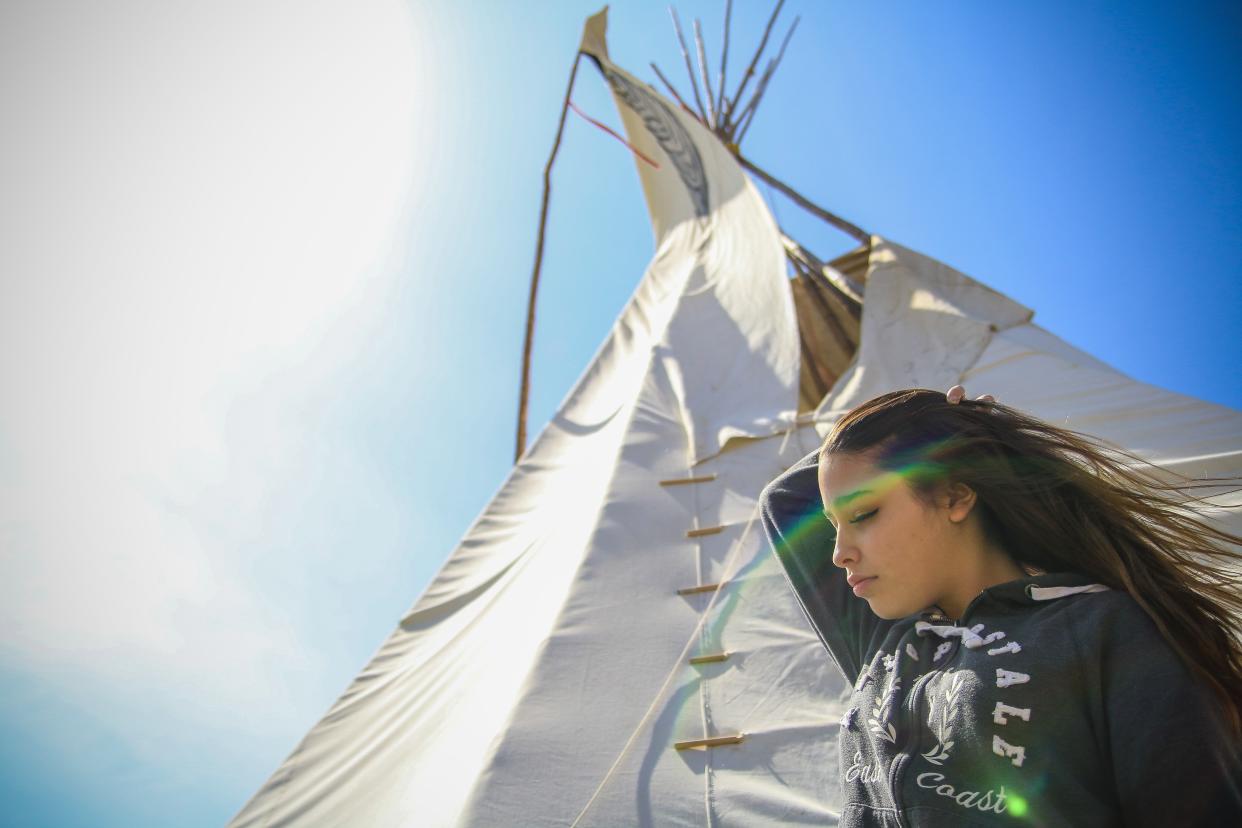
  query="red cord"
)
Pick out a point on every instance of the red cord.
point(607, 129)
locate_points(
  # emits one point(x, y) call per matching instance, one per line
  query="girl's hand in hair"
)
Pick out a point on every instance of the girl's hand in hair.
point(957, 393)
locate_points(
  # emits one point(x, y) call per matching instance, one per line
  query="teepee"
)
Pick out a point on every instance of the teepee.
point(612, 642)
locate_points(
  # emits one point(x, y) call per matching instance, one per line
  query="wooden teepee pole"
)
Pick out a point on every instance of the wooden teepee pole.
point(748, 114)
point(724, 60)
point(706, 75)
point(754, 61)
point(524, 394)
point(806, 204)
point(672, 91)
point(685, 54)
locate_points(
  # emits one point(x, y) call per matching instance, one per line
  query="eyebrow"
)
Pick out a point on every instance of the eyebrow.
point(844, 500)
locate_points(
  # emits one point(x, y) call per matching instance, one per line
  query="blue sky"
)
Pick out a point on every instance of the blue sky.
point(263, 272)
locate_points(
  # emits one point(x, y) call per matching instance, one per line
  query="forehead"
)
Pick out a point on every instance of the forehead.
point(842, 475)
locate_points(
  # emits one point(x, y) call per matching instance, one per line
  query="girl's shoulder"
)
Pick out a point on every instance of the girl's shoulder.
point(1112, 613)
point(1069, 614)
point(1120, 642)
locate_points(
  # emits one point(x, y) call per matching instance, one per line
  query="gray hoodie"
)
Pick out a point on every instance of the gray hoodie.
point(1052, 701)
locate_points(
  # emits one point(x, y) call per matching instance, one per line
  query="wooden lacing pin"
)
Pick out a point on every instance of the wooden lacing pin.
point(714, 741)
point(694, 590)
point(710, 658)
point(681, 481)
point(709, 530)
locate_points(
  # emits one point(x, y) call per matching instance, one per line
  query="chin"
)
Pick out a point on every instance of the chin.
point(883, 612)
point(891, 613)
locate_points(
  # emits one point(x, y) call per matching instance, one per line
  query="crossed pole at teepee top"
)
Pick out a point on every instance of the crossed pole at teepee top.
point(727, 118)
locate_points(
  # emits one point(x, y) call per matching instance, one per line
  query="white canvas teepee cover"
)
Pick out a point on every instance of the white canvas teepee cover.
point(926, 325)
point(545, 675)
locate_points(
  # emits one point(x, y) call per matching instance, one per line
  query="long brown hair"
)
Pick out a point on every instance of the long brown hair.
point(1058, 501)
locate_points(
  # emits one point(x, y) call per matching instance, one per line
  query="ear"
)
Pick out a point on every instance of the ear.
point(959, 499)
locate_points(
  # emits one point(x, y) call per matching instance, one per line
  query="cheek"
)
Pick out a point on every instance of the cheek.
point(909, 539)
point(903, 522)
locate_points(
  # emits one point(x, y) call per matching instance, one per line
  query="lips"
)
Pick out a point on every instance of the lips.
point(860, 582)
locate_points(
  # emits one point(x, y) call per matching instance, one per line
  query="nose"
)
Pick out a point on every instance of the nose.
point(844, 552)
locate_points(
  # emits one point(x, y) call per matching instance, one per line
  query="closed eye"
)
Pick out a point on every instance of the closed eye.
point(861, 517)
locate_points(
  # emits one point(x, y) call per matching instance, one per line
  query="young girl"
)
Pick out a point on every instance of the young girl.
point(1035, 632)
